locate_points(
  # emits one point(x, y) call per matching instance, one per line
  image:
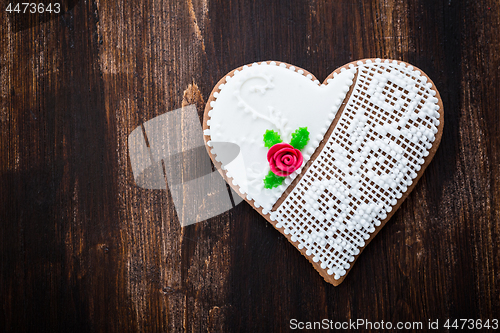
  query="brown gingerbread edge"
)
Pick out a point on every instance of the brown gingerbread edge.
point(428, 159)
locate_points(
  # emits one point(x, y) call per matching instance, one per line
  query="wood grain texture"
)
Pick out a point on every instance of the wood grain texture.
point(84, 249)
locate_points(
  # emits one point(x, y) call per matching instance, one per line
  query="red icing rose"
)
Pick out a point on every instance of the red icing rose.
point(284, 159)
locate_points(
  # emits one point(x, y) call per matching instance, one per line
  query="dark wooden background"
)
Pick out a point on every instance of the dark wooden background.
point(84, 249)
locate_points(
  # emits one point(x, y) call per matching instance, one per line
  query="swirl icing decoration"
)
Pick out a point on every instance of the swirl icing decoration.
point(283, 158)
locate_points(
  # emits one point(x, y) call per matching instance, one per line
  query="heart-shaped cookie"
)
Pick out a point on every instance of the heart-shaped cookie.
point(359, 143)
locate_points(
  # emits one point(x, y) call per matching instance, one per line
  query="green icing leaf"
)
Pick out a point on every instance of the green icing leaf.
point(300, 138)
point(272, 180)
point(271, 138)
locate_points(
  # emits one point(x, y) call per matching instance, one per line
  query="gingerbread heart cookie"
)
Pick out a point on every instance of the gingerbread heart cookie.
point(326, 164)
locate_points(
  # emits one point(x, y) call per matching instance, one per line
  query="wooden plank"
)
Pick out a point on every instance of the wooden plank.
point(82, 248)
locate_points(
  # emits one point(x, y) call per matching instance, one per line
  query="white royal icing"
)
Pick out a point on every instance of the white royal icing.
point(369, 161)
point(270, 96)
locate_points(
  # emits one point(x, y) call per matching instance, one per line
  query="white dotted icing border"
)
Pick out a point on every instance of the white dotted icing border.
point(369, 161)
point(314, 141)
